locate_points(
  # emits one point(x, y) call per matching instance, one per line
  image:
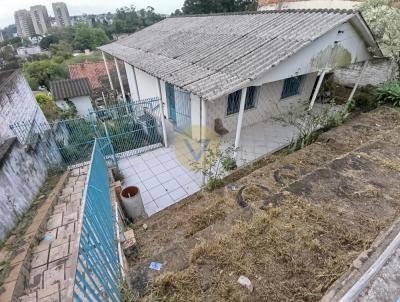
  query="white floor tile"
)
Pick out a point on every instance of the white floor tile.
point(171, 185)
point(170, 164)
point(151, 183)
point(151, 208)
point(183, 179)
point(164, 177)
point(158, 169)
point(145, 174)
point(140, 167)
point(157, 191)
point(146, 197)
point(177, 171)
point(164, 158)
point(164, 201)
point(191, 188)
point(152, 162)
point(178, 194)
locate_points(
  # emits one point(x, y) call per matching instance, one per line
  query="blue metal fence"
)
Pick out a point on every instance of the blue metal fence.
point(123, 130)
point(98, 273)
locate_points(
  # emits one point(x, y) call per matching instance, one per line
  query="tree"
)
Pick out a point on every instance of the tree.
point(40, 73)
point(129, 20)
point(46, 42)
point(62, 49)
point(383, 16)
point(218, 6)
point(89, 38)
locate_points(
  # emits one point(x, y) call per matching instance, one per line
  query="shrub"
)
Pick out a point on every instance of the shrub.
point(389, 93)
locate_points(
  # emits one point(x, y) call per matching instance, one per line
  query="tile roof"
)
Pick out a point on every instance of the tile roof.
point(62, 89)
point(212, 55)
point(91, 70)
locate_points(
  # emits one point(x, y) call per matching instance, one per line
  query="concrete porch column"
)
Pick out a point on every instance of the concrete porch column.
point(108, 71)
point(317, 88)
point(240, 120)
point(162, 114)
point(365, 65)
point(120, 79)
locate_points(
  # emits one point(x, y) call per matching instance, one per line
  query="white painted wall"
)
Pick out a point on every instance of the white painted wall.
point(147, 84)
point(320, 55)
point(268, 104)
point(164, 98)
point(196, 116)
point(83, 104)
point(131, 81)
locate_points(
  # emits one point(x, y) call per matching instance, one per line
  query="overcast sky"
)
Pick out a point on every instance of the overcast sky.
point(77, 7)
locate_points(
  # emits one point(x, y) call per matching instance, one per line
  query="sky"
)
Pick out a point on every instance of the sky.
point(77, 7)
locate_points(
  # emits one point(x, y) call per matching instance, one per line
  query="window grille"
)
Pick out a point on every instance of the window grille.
point(234, 100)
point(291, 86)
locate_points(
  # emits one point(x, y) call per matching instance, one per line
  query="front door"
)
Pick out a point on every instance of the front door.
point(171, 101)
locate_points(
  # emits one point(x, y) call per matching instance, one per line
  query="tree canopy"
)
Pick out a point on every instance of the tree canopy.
point(89, 38)
point(129, 20)
point(217, 6)
point(40, 73)
point(383, 16)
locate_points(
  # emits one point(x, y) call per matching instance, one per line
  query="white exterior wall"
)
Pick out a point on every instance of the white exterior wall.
point(83, 104)
point(147, 84)
point(131, 81)
point(268, 104)
point(321, 54)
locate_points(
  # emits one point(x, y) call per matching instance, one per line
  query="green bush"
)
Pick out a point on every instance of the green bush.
point(389, 93)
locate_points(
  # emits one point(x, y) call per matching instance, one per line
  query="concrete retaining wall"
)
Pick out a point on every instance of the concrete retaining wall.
point(378, 72)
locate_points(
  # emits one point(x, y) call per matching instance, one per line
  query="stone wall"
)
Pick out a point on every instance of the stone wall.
point(377, 72)
point(23, 170)
point(17, 102)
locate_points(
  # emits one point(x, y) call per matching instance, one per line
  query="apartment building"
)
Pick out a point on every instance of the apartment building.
point(24, 23)
point(40, 19)
point(61, 14)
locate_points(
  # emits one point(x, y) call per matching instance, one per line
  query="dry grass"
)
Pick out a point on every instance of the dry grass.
point(290, 253)
point(208, 216)
point(181, 286)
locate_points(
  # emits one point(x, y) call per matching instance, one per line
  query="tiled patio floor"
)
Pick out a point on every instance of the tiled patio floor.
point(260, 139)
point(160, 177)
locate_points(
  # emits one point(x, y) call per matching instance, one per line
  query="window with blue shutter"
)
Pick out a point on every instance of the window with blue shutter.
point(234, 100)
point(291, 87)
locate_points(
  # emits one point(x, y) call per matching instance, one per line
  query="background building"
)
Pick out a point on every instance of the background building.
point(305, 4)
point(24, 23)
point(40, 19)
point(61, 14)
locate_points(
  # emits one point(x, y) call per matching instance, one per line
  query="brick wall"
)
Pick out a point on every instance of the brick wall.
point(377, 72)
point(17, 103)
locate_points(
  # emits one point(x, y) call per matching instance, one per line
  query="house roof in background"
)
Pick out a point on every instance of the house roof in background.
point(213, 55)
point(62, 89)
point(91, 70)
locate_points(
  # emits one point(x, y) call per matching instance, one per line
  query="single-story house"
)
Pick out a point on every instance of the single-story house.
point(78, 91)
point(235, 73)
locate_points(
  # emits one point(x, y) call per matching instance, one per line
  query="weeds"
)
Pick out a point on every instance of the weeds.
point(214, 165)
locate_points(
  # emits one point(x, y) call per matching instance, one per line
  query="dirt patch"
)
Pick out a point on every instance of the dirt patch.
point(328, 206)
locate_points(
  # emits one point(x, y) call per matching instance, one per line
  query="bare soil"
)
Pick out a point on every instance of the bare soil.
point(308, 216)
